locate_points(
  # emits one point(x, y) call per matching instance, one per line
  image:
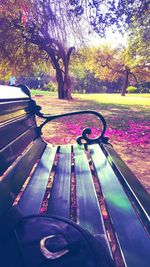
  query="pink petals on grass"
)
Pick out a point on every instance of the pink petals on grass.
point(136, 133)
point(133, 133)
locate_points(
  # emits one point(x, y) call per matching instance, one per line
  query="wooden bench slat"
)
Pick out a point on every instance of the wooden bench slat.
point(8, 131)
point(59, 202)
point(12, 110)
point(133, 184)
point(31, 200)
point(88, 211)
point(9, 153)
point(133, 239)
point(12, 183)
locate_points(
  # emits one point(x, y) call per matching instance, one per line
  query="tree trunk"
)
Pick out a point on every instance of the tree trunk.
point(67, 82)
point(59, 74)
point(63, 81)
point(60, 82)
point(67, 85)
point(62, 74)
point(126, 81)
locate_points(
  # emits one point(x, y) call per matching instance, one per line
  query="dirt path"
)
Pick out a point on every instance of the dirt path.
point(136, 157)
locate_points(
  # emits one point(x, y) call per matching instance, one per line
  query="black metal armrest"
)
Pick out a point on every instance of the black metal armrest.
point(36, 110)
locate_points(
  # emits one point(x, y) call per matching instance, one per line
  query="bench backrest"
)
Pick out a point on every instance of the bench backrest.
point(20, 145)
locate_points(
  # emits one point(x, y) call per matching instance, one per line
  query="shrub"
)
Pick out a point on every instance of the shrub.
point(132, 89)
point(51, 87)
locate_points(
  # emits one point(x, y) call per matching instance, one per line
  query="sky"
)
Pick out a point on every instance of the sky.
point(113, 39)
point(90, 38)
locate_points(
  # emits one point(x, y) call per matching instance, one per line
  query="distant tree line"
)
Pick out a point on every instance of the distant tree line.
point(89, 85)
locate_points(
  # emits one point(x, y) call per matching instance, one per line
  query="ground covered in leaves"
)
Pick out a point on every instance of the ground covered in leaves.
point(128, 129)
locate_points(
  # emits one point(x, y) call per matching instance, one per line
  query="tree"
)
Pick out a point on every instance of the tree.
point(112, 65)
point(138, 47)
point(39, 29)
point(83, 72)
point(113, 69)
point(123, 16)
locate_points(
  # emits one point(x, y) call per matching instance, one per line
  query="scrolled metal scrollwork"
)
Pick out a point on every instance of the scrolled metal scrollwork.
point(84, 138)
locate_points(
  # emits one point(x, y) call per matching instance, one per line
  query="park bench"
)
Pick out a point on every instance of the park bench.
point(87, 182)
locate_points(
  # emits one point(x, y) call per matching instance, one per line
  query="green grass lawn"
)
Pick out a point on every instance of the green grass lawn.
point(117, 99)
point(117, 109)
point(40, 92)
point(112, 99)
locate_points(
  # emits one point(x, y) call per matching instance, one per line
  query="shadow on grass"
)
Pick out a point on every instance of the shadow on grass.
point(115, 115)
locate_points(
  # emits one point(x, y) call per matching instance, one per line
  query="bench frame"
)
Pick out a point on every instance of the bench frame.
point(90, 179)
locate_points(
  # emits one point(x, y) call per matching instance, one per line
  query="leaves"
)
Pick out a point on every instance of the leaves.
point(136, 133)
point(115, 14)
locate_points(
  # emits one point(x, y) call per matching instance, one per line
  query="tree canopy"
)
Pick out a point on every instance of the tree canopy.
point(39, 29)
point(114, 14)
